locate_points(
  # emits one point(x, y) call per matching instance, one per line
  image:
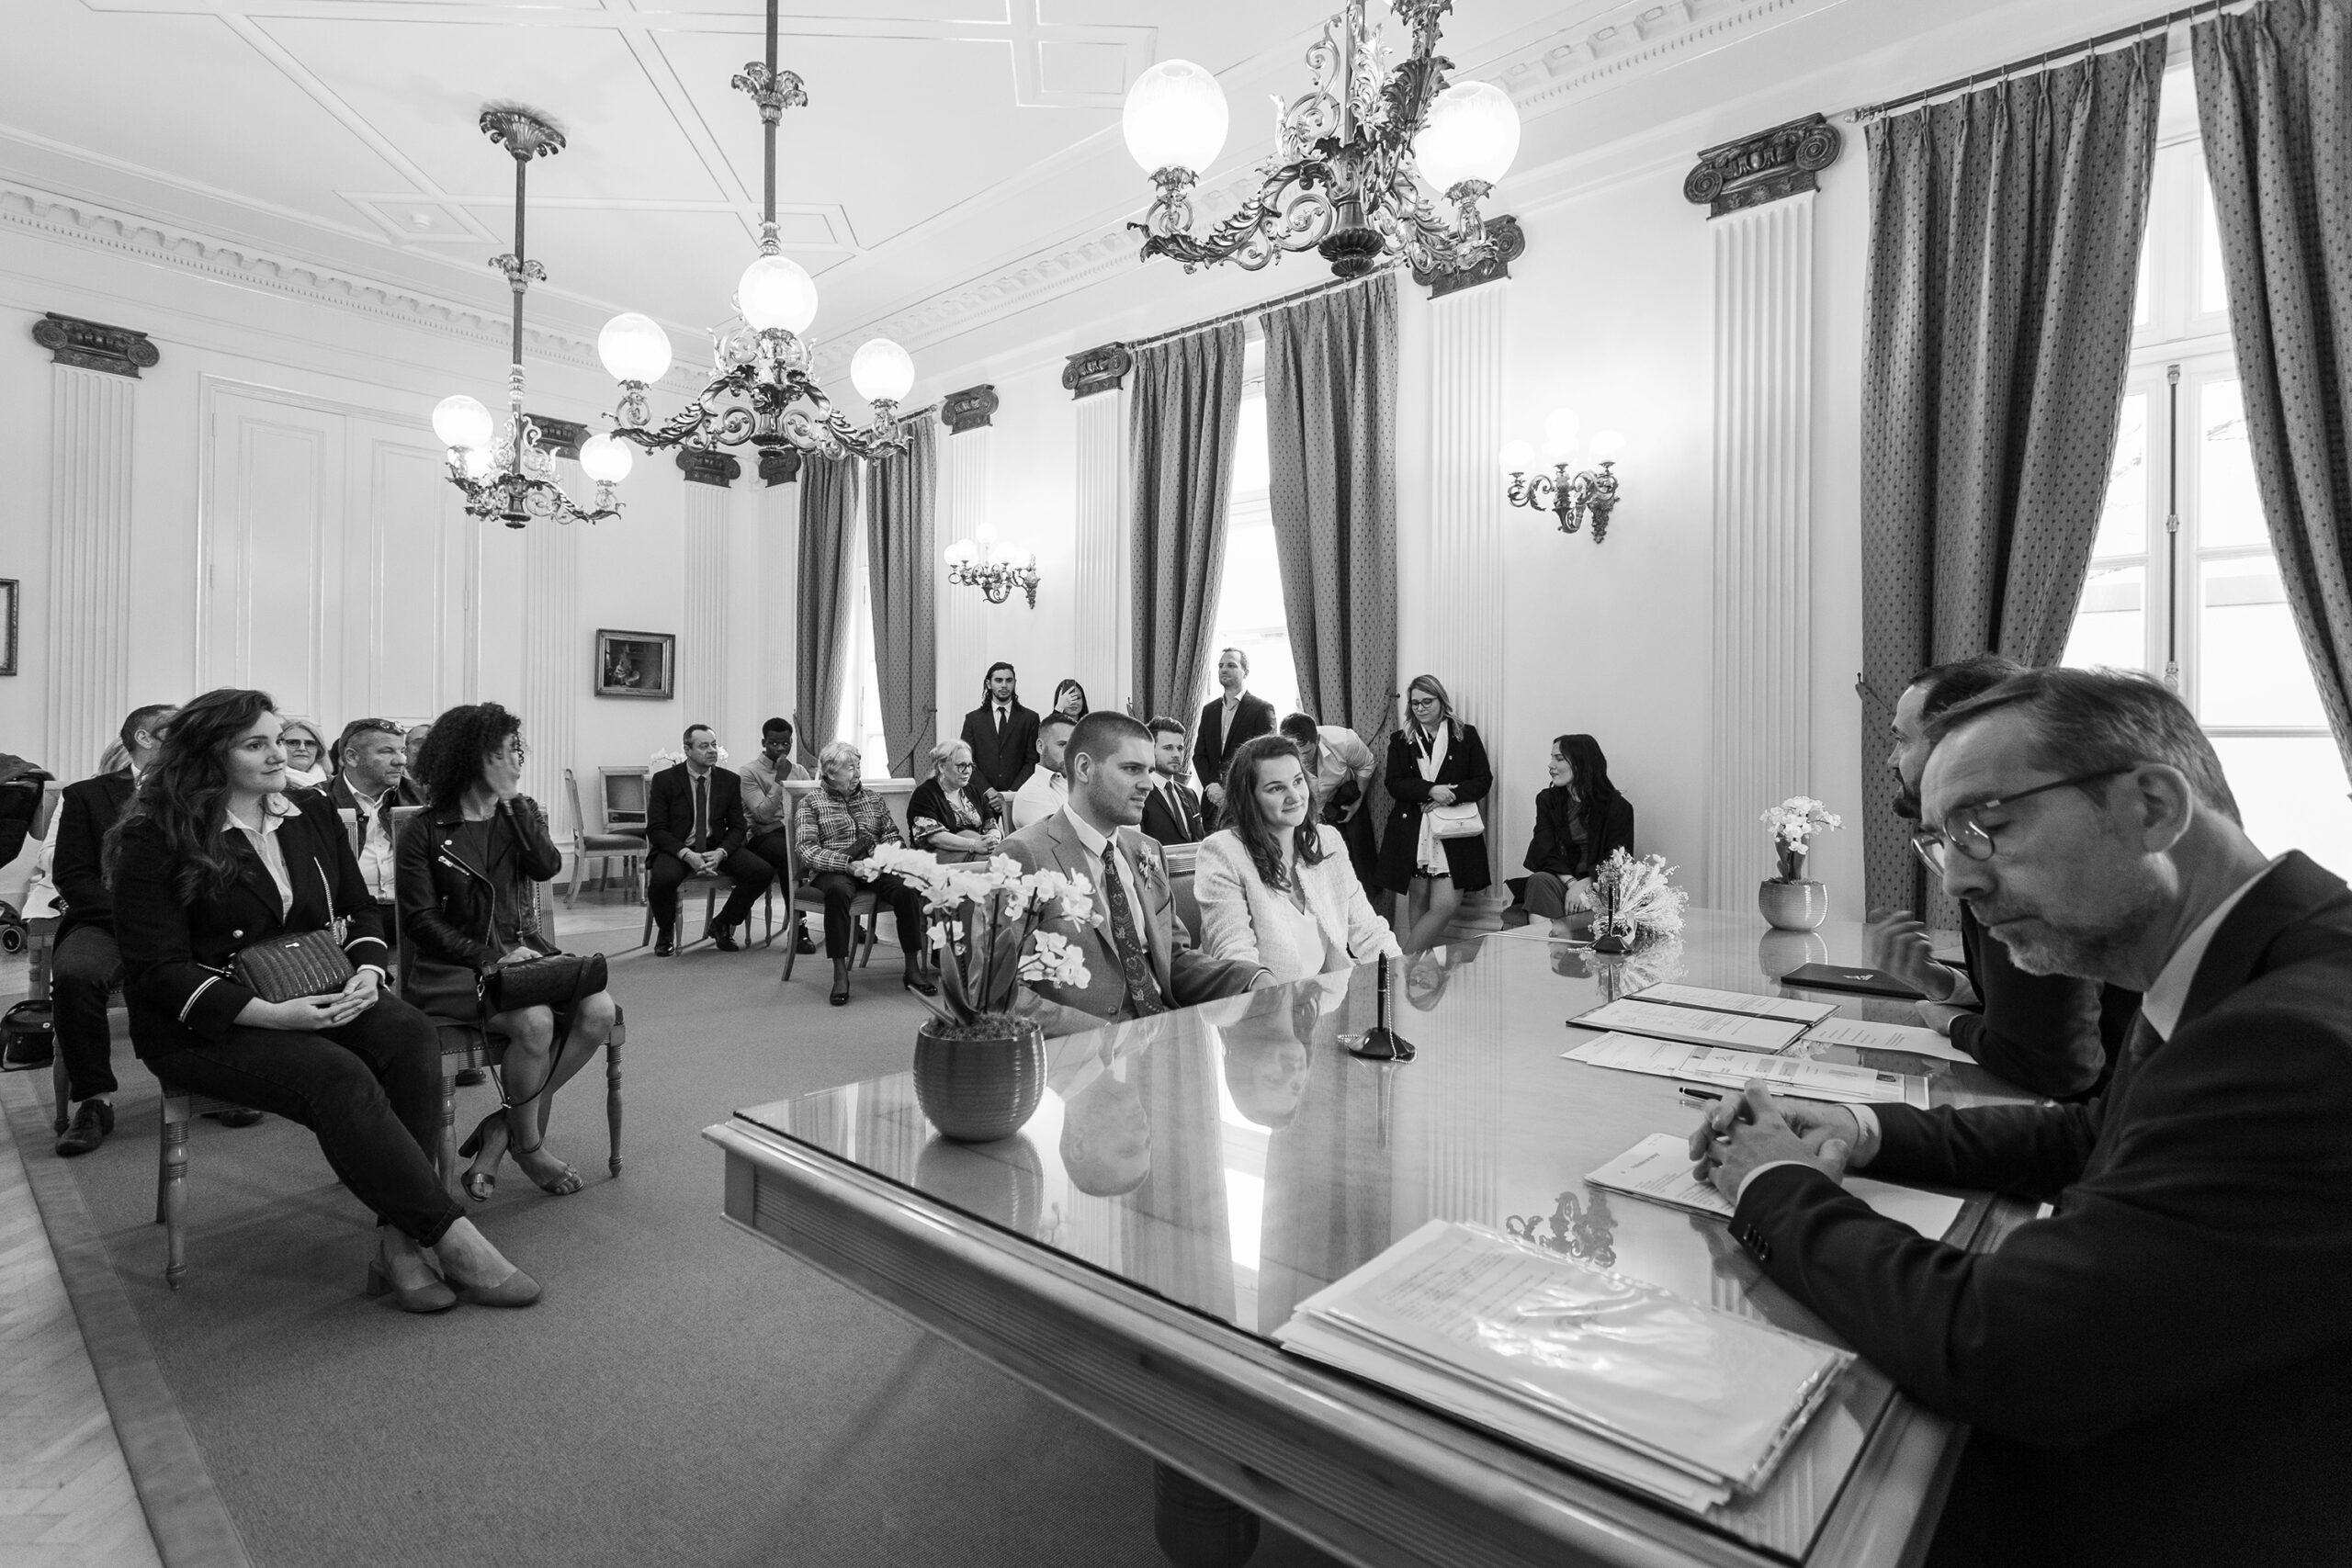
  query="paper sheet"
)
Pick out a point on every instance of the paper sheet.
point(1870, 1036)
point(1693, 1025)
point(1733, 1069)
point(1659, 1169)
point(1736, 1001)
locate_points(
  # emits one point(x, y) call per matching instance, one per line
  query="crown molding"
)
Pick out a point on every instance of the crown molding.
point(1540, 83)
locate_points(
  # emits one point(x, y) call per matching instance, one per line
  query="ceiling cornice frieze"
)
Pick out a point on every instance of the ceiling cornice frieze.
point(1541, 80)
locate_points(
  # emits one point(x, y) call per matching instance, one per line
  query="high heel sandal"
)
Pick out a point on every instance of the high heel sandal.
point(434, 1296)
point(481, 1184)
point(562, 1185)
point(840, 998)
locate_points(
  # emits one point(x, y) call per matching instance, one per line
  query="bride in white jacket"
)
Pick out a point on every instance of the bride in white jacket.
point(1276, 886)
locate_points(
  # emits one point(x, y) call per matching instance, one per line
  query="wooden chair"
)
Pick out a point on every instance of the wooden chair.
point(864, 909)
point(712, 886)
point(603, 846)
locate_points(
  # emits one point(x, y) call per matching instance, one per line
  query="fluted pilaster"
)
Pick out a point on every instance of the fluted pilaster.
point(1099, 594)
point(1466, 514)
point(963, 613)
point(703, 645)
point(1760, 731)
point(558, 658)
point(89, 565)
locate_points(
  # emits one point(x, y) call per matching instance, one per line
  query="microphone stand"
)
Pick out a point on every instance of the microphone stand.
point(1382, 1043)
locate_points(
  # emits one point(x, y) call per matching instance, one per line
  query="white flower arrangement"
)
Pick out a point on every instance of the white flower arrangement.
point(984, 918)
point(680, 755)
point(1794, 823)
point(1637, 899)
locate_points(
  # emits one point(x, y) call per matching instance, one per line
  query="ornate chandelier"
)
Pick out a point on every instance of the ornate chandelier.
point(1570, 497)
point(1341, 181)
point(508, 475)
point(973, 563)
point(761, 391)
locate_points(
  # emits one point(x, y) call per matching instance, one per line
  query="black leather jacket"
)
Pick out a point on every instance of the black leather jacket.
point(448, 905)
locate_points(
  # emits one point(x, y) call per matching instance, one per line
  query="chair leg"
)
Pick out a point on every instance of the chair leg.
point(578, 867)
point(612, 1092)
point(792, 948)
point(60, 1088)
point(446, 1155)
point(646, 936)
point(170, 1188)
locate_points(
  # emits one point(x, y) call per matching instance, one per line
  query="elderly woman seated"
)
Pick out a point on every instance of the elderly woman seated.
point(949, 818)
point(840, 823)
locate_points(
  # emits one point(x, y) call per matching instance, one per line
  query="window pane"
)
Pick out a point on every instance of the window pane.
point(2230, 512)
point(1250, 612)
point(2110, 624)
point(2290, 790)
point(2251, 668)
point(2124, 522)
point(2212, 293)
point(1249, 473)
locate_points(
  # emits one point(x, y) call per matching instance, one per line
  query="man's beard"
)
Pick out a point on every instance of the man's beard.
point(2087, 955)
point(1907, 798)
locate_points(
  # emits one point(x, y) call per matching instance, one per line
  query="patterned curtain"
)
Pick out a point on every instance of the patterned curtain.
point(1332, 446)
point(2273, 98)
point(1183, 417)
point(2004, 248)
point(828, 513)
point(903, 578)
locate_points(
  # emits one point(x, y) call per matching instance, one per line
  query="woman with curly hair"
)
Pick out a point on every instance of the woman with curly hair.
point(465, 871)
point(212, 857)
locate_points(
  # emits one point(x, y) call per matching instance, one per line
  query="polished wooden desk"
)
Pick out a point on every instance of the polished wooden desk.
point(1188, 1179)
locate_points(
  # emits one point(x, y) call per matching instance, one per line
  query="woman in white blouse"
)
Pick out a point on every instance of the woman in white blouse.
point(1273, 885)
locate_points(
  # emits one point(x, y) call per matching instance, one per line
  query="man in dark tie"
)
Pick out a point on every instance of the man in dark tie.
point(372, 764)
point(1225, 722)
point(2157, 1375)
point(1172, 813)
point(1003, 738)
point(695, 827)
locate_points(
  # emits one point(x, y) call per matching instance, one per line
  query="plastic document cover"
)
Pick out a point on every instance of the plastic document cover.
point(1732, 1069)
point(1715, 1397)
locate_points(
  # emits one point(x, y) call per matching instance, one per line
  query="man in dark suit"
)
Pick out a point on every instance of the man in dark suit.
point(694, 826)
point(2050, 1033)
point(2158, 1373)
point(1003, 738)
point(1172, 812)
point(1225, 723)
point(369, 778)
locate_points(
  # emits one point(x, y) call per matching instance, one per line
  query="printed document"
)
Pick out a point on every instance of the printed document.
point(1736, 1001)
point(1659, 1169)
point(1733, 1069)
point(1696, 1026)
point(1869, 1036)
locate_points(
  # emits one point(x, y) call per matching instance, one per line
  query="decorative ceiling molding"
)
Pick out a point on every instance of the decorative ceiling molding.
point(1640, 44)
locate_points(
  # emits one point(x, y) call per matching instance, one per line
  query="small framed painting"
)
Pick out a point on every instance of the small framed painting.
point(637, 664)
point(7, 626)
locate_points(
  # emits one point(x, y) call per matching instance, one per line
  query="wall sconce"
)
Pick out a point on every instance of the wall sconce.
point(974, 563)
point(1570, 497)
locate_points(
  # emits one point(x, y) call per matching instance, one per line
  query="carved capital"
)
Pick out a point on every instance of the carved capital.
point(779, 465)
point(1763, 167)
point(967, 410)
point(560, 437)
point(718, 468)
point(1098, 370)
point(1510, 244)
point(94, 345)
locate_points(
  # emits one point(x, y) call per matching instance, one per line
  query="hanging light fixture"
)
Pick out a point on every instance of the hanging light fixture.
point(1342, 180)
point(1570, 497)
point(974, 563)
point(761, 391)
point(508, 476)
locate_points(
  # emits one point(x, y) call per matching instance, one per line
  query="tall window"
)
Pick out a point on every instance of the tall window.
point(2183, 582)
point(859, 721)
point(1249, 614)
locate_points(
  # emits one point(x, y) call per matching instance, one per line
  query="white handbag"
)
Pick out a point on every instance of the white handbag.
point(1459, 820)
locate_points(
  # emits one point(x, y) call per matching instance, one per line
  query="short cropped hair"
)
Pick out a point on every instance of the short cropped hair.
point(1102, 731)
point(142, 718)
point(1242, 658)
point(1961, 680)
point(833, 753)
point(688, 737)
point(2086, 720)
point(777, 727)
point(1301, 730)
point(1163, 725)
point(1052, 718)
point(359, 727)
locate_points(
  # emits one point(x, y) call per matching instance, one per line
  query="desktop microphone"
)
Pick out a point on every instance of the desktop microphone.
point(1382, 1043)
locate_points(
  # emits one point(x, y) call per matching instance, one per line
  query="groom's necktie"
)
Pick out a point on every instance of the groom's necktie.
point(1135, 959)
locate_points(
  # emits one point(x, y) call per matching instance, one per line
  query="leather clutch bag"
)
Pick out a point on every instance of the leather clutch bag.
point(307, 963)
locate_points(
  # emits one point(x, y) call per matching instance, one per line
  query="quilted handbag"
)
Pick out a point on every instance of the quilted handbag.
point(307, 964)
point(559, 980)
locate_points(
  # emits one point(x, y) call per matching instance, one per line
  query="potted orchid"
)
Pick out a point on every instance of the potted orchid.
point(979, 1067)
point(1634, 901)
point(1790, 901)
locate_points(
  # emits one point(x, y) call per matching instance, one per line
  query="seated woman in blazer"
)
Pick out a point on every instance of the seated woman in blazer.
point(1275, 886)
point(946, 815)
point(467, 872)
point(1580, 821)
point(212, 857)
point(1435, 761)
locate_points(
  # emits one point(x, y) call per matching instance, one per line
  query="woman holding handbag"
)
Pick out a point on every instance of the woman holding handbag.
point(465, 869)
point(1435, 849)
point(228, 894)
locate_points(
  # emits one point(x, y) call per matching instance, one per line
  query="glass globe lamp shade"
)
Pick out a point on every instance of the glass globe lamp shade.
point(477, 464)
point(881, 371)
point(461, 421)
point(605, 458)
point(959, 552)
point(633, 348)
point(1607, 444)
point(1175, 117)
point(1516, 457)
point(776, 293)
point(1472, 133)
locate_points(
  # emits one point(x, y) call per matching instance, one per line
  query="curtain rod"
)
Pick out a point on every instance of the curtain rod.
point(2064, 55)
point(1276, 303)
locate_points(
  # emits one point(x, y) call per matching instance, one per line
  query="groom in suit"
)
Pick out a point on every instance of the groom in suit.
point(1139, 959)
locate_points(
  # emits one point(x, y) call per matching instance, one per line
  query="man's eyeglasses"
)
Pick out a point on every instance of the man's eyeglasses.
point(1963, 831)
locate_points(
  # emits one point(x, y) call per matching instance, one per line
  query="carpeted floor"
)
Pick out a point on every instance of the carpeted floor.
point(683, 1395)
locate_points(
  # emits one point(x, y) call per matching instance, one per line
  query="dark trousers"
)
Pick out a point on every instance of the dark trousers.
point(1546, 895)
point(82, 970)
point(371, 1090)
point(664, 872)
point(839, 887)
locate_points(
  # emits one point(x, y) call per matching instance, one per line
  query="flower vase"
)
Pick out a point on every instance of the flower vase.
point(1797, 905)
point(981, 1081)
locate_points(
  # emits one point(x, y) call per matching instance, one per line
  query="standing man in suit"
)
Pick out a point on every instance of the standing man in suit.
point(1003, 738)
point(1225, 723)
point(2157, 1374)
point(1171, 813)
point(694, 825)
point(1044, 790)
point(1139, 958)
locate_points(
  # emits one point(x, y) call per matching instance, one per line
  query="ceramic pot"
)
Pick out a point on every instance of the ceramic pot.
point(1793, 905)
point(1005, 1185)
point(979, 1081)
point(1781, 952)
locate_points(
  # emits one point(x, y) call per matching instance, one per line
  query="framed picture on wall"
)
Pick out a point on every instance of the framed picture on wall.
point(637, 664)
point(7, 626)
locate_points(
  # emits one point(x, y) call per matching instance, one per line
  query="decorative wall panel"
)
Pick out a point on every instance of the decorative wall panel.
point(704, 648)
point(1099, 593)
point(963, 613)
point(273, 551)
point(558, 659)
point(89, 565)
